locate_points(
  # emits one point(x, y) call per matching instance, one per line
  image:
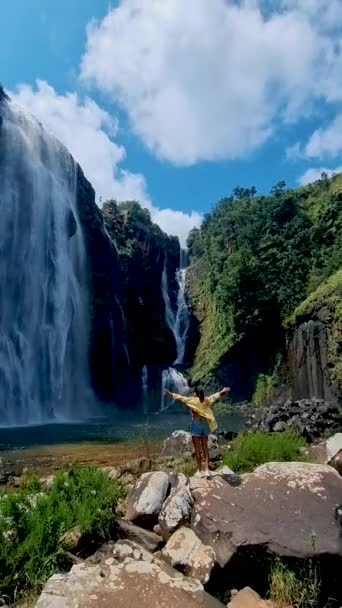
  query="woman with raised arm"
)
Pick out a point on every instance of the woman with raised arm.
point(203, 421)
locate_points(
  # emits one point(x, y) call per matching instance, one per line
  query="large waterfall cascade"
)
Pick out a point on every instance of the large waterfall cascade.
point(178, 321)
point(44, 325)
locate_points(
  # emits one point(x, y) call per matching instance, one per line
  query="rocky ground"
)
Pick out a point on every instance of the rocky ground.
point(311, 418)
point(192, 541)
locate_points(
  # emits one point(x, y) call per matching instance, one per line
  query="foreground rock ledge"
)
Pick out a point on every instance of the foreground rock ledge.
point(284, 508)
point(127, 585)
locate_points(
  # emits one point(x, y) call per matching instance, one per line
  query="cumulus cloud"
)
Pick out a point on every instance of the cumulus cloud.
point(326, 142)
point(89, 133)
point(313, 174)
point(207, 80)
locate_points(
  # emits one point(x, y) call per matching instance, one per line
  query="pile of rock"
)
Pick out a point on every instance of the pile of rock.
point(311, 418)
point(184, 539)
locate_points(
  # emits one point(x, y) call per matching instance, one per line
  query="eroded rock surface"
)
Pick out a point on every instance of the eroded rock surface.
point(284, 508)
point(127, 585)
point(175, 511)
point(186, 552)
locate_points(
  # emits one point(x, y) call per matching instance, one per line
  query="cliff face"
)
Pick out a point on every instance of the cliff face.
point(127, 255)
point(109, 363)
point(145, 252)
point(259, 322)
point(314, 344)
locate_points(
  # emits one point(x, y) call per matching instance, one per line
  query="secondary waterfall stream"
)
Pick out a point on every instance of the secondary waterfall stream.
point(44, 325)
point(178, 321)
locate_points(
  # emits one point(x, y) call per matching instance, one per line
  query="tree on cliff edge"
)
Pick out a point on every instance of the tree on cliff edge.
point(3, 94)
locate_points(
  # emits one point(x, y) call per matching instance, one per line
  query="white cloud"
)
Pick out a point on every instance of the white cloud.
point(313, 174)
point(180, 222)
point(326, 142)
point(206, 80)
point(89, 133)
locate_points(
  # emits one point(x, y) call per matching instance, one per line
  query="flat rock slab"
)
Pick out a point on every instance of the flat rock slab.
point(286, 508)
point(127, 585)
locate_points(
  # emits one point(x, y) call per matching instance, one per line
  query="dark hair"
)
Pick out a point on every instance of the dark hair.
point(199, 393)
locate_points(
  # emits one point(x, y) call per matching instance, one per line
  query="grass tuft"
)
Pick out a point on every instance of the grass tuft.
point(289, 589)
point(250, 450)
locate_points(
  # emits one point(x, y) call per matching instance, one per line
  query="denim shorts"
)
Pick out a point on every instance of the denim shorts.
point(199, 427)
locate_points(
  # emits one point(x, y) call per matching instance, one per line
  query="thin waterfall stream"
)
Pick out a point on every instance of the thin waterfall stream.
point(178, 321)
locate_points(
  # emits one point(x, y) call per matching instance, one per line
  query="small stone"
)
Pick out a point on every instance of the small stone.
point(247, 598)
point(71, 539)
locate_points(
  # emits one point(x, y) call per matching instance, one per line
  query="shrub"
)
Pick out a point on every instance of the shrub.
point(32, 522)
point(294, 589)
point(263, 389)
point(252, 449)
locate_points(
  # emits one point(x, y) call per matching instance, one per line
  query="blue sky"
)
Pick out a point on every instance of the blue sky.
point(175, 103)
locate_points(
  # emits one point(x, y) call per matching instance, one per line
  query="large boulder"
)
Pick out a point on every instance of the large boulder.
point(287, 509)
point(180, 443)
point(146, 498)
point(175, 511)
point(131, 584)
point(186, 552)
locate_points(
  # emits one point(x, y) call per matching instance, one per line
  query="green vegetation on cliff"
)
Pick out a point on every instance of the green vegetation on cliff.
point(257, 259)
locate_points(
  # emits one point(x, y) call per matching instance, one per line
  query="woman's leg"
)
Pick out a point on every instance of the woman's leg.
point(197, 445)
point(204, 446)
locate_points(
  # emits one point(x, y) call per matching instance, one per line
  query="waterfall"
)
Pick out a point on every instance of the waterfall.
point(44, 325)
point(178, 321)
point(174, 381)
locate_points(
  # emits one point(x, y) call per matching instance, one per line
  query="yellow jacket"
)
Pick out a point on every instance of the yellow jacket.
point(203, 408)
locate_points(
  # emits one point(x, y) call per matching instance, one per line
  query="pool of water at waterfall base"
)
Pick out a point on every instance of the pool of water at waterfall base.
point(107, 441)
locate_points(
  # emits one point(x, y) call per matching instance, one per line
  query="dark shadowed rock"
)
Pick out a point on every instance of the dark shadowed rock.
point(148, 540)
point(311, 418)
point(131, 584)
point(283, 508)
